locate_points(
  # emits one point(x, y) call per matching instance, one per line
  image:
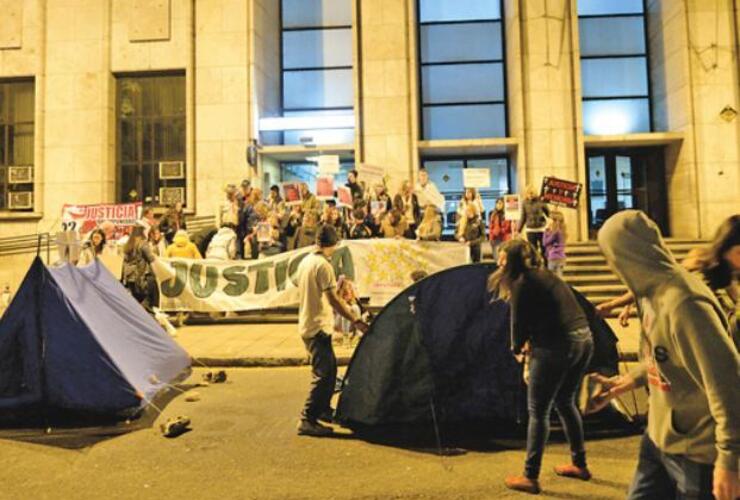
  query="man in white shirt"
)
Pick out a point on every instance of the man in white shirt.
point(317, 287)
point(427, 192)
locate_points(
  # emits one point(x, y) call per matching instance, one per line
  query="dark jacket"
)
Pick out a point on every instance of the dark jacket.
point(533, 214)
point(399, 204)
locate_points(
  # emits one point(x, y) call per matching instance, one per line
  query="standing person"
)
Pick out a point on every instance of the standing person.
point(471, 197)
point(156, 242)
point(407, 203)
point(92, 248)
point(427, 192)
point(245, 218)
point(147, 220)
point(430, 228)
point(534, 218)
point(317, 288)
point(358, 193)
point(172, 222)
point(499, 229)
point(548, 322)
point(692, 443)
point(310, 203)
point(553, 241)
point(471, 232)
point(228, 212)
point(137, 275)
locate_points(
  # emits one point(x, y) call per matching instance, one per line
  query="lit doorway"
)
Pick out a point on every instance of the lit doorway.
point(628, 178)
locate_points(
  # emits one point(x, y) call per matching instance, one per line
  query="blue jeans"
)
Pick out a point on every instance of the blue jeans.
point(554, 377)
point(660, 475)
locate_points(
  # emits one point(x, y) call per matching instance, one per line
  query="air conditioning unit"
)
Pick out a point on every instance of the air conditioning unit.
point(20, 200)
point(170, 195)
point(20, 175)
point(171, 170)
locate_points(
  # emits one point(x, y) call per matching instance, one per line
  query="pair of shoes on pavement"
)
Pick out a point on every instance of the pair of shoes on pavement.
point(527, 485)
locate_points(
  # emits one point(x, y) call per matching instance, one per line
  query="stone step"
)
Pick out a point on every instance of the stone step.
point(601, 289)
point(585, 268)
point(606, 278)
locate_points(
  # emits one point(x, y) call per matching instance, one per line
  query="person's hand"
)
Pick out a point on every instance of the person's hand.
point(610, 388)
point(603, 310)
point(624, 316)
point(725, 484)
point(519, 358)
point(461, 240)
point(361, 326)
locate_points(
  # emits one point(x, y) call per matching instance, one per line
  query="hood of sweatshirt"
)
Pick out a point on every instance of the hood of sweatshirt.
point(634, 248)
point(181, 240)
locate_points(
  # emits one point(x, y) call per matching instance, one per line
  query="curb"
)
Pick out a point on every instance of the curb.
point(257, 361)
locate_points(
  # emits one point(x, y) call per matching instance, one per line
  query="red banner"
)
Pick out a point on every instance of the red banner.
point(85, 218)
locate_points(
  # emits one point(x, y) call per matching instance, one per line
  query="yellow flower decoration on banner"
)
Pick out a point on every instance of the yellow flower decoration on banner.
point(393, 261)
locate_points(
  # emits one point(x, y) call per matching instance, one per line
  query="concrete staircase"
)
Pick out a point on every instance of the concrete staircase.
point(587, 271)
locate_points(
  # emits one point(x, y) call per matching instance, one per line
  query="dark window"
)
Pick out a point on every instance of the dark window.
point(447, 175)
point(16, 144)
point(462, 69)
point(614, 67)
point(316, 70)
point(150, 125)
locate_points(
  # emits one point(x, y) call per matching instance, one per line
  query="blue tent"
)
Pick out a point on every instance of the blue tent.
point(74, 340)
point(441, 350)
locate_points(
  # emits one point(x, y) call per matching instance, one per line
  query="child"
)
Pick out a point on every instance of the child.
point(499, 228)
point(472, 232)
point(182, 247)
point(342, 326)
point(553, 241)
point(359, 229)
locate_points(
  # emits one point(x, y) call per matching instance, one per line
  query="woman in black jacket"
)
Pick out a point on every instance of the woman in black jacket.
point(547, 324)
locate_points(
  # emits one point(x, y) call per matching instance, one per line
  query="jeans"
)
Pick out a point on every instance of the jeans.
point(324, 376)
point(660, 475)
point(475, 252)
point(554, 376)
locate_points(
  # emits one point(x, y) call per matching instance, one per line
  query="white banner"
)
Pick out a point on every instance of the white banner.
point(476, 177)
point(243, 285)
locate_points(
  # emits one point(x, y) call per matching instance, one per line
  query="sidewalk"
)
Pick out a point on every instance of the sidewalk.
point(278, 344)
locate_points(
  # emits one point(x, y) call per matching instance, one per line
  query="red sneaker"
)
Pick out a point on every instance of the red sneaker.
point(521, 483)
point(573, 471)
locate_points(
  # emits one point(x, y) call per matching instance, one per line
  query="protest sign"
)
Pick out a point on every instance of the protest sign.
point(476, 177)
point(85, 218)
point(371, 174)
point(325, 187)
point(264, 230)
point(328, 164)
point(381, 267)
point(344, 196)
point(292, 193)
point(561, 192)
point(377, 208)
point(512, 207)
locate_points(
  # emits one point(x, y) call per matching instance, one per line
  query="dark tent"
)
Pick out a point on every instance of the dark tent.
point(440, 349)
point(74, 341)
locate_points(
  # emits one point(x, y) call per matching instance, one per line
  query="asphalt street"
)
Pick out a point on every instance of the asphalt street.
point(243, 445)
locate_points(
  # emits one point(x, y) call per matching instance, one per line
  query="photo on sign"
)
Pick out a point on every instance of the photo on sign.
point(377, 207)
point(344, 196)
point(325, 187)
point(292, 193)
point(512, 207)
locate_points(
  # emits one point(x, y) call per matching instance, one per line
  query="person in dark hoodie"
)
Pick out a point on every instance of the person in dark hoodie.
point(692, 444)
point(549, 324)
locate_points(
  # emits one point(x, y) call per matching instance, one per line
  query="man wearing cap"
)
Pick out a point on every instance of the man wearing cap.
point(318, 299)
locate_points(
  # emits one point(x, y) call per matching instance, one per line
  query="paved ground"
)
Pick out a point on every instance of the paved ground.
point(278, 344)
point(243, 446)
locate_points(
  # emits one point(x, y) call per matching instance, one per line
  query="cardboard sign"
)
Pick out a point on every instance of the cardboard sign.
point(561, 192)
point(85, 218)
point(328, 164)
point(371, 174)
point(292, 193)
point(344, 196)
point(325, 187)
point(264, 230)
point(512, 207)
point(476, 177)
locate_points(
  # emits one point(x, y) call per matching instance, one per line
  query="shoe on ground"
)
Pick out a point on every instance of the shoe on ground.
point(573, 471)
point(327, 417)
point(173, 427)
point(521, 483)
point(308, 428)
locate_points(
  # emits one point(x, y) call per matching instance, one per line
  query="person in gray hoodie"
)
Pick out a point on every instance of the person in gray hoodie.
point(690, 449)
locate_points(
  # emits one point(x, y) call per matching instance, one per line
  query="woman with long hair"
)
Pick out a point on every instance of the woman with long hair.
point(137, 275)
point(430, 229)
point(549, 325)
point(499, 229)
point(93, 247)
